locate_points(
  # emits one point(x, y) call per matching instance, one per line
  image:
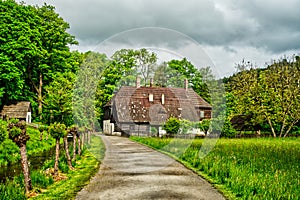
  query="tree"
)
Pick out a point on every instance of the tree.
point(17, 133)
point(57, 131)
point(270, 95)
point(66, 146)
point(85, 86)
point(73, 130)
point(34, 47)
point(146, 62)
point(58, 101)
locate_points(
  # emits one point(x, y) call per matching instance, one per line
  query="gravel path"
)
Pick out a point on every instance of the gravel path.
point(133, 171)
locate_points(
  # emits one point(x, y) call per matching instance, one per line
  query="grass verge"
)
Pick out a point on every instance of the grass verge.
point(71, 181)
point(265, 168)
point(86, 167)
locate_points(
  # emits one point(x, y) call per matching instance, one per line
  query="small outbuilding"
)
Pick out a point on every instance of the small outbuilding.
point(19, 110)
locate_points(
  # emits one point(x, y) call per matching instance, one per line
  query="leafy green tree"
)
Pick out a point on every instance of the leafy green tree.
point(146, 62)
point(57, 131)
point(270, 95)
point(85, 86)
point(34, 47)
point(189, 71)
point(17, 133)
point(58, 101)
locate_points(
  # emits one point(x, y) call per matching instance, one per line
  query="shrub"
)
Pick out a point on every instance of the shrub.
point(172, 125)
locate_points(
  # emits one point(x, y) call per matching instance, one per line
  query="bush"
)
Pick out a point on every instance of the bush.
point(228, 130)
point(172, 125)
point(3, 131)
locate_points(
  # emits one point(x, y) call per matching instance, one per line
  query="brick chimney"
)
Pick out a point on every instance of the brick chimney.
point(186, 84)
point(138, 82)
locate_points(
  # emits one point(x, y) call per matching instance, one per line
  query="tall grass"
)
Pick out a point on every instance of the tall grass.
point(265, 168)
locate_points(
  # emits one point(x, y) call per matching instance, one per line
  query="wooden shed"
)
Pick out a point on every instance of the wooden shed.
point(19, 110)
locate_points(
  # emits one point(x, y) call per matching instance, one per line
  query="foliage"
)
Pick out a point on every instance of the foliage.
point(228, 130)
point(12, 190)
point(270, 95)
point(3, 130)
point(186, 69)
point(247, 168)
point(85, 169)
point(58, 101)
point(9, 152)
point(87, 79)
point(34, 47)
point(57, 130)
point(172, 125)
point(204, 125)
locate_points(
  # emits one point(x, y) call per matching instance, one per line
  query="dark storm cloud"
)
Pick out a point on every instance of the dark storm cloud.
point(269, 24)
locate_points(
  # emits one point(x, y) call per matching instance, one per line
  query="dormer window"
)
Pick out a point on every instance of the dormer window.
point(150, 97)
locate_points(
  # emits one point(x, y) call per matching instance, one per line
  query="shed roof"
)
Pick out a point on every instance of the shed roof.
point(131, 104)
point(16, 110)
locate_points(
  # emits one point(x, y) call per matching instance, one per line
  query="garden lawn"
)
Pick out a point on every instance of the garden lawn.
point(263, 168)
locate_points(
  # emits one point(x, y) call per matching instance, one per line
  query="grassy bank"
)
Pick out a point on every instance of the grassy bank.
point(265, 168)
point(72, 181)
point(10, 152)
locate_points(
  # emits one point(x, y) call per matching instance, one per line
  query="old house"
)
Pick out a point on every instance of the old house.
point(19, 110)
point(135, 110)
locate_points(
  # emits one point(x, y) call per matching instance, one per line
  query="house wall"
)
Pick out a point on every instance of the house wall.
point(108, 128)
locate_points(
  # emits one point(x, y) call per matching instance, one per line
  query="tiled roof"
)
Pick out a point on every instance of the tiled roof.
point(131, 104)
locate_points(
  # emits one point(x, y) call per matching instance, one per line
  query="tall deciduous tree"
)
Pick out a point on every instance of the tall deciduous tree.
point(58, 101)
point(34, 47)
point(271, 95)
point(86, 82)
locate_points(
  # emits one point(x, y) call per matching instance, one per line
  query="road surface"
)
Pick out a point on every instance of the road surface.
point(133, 171)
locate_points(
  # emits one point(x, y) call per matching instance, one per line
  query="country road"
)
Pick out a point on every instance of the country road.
point(133, 171)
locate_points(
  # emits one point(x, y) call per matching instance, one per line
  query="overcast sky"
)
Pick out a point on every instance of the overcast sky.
point(227, 30)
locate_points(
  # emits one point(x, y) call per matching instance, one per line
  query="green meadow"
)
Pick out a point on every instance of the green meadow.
point(262, 168)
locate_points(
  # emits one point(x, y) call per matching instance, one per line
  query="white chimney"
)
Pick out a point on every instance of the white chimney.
point(186, 84)
point(138, 82)
point(151, 82)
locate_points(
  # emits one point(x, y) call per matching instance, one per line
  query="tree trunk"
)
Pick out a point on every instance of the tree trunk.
point(82, 140)
point(272, 129)
point(25, 168)
point(40, 108)
point(67, 152)
point(56, 157)
point(74, 147)
point(89, 137)
point(79, 145)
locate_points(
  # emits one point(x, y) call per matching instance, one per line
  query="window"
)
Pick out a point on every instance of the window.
point(151, 97)
point(201, 114)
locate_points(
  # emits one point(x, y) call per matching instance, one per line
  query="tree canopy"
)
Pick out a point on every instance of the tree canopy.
point(34, 46)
